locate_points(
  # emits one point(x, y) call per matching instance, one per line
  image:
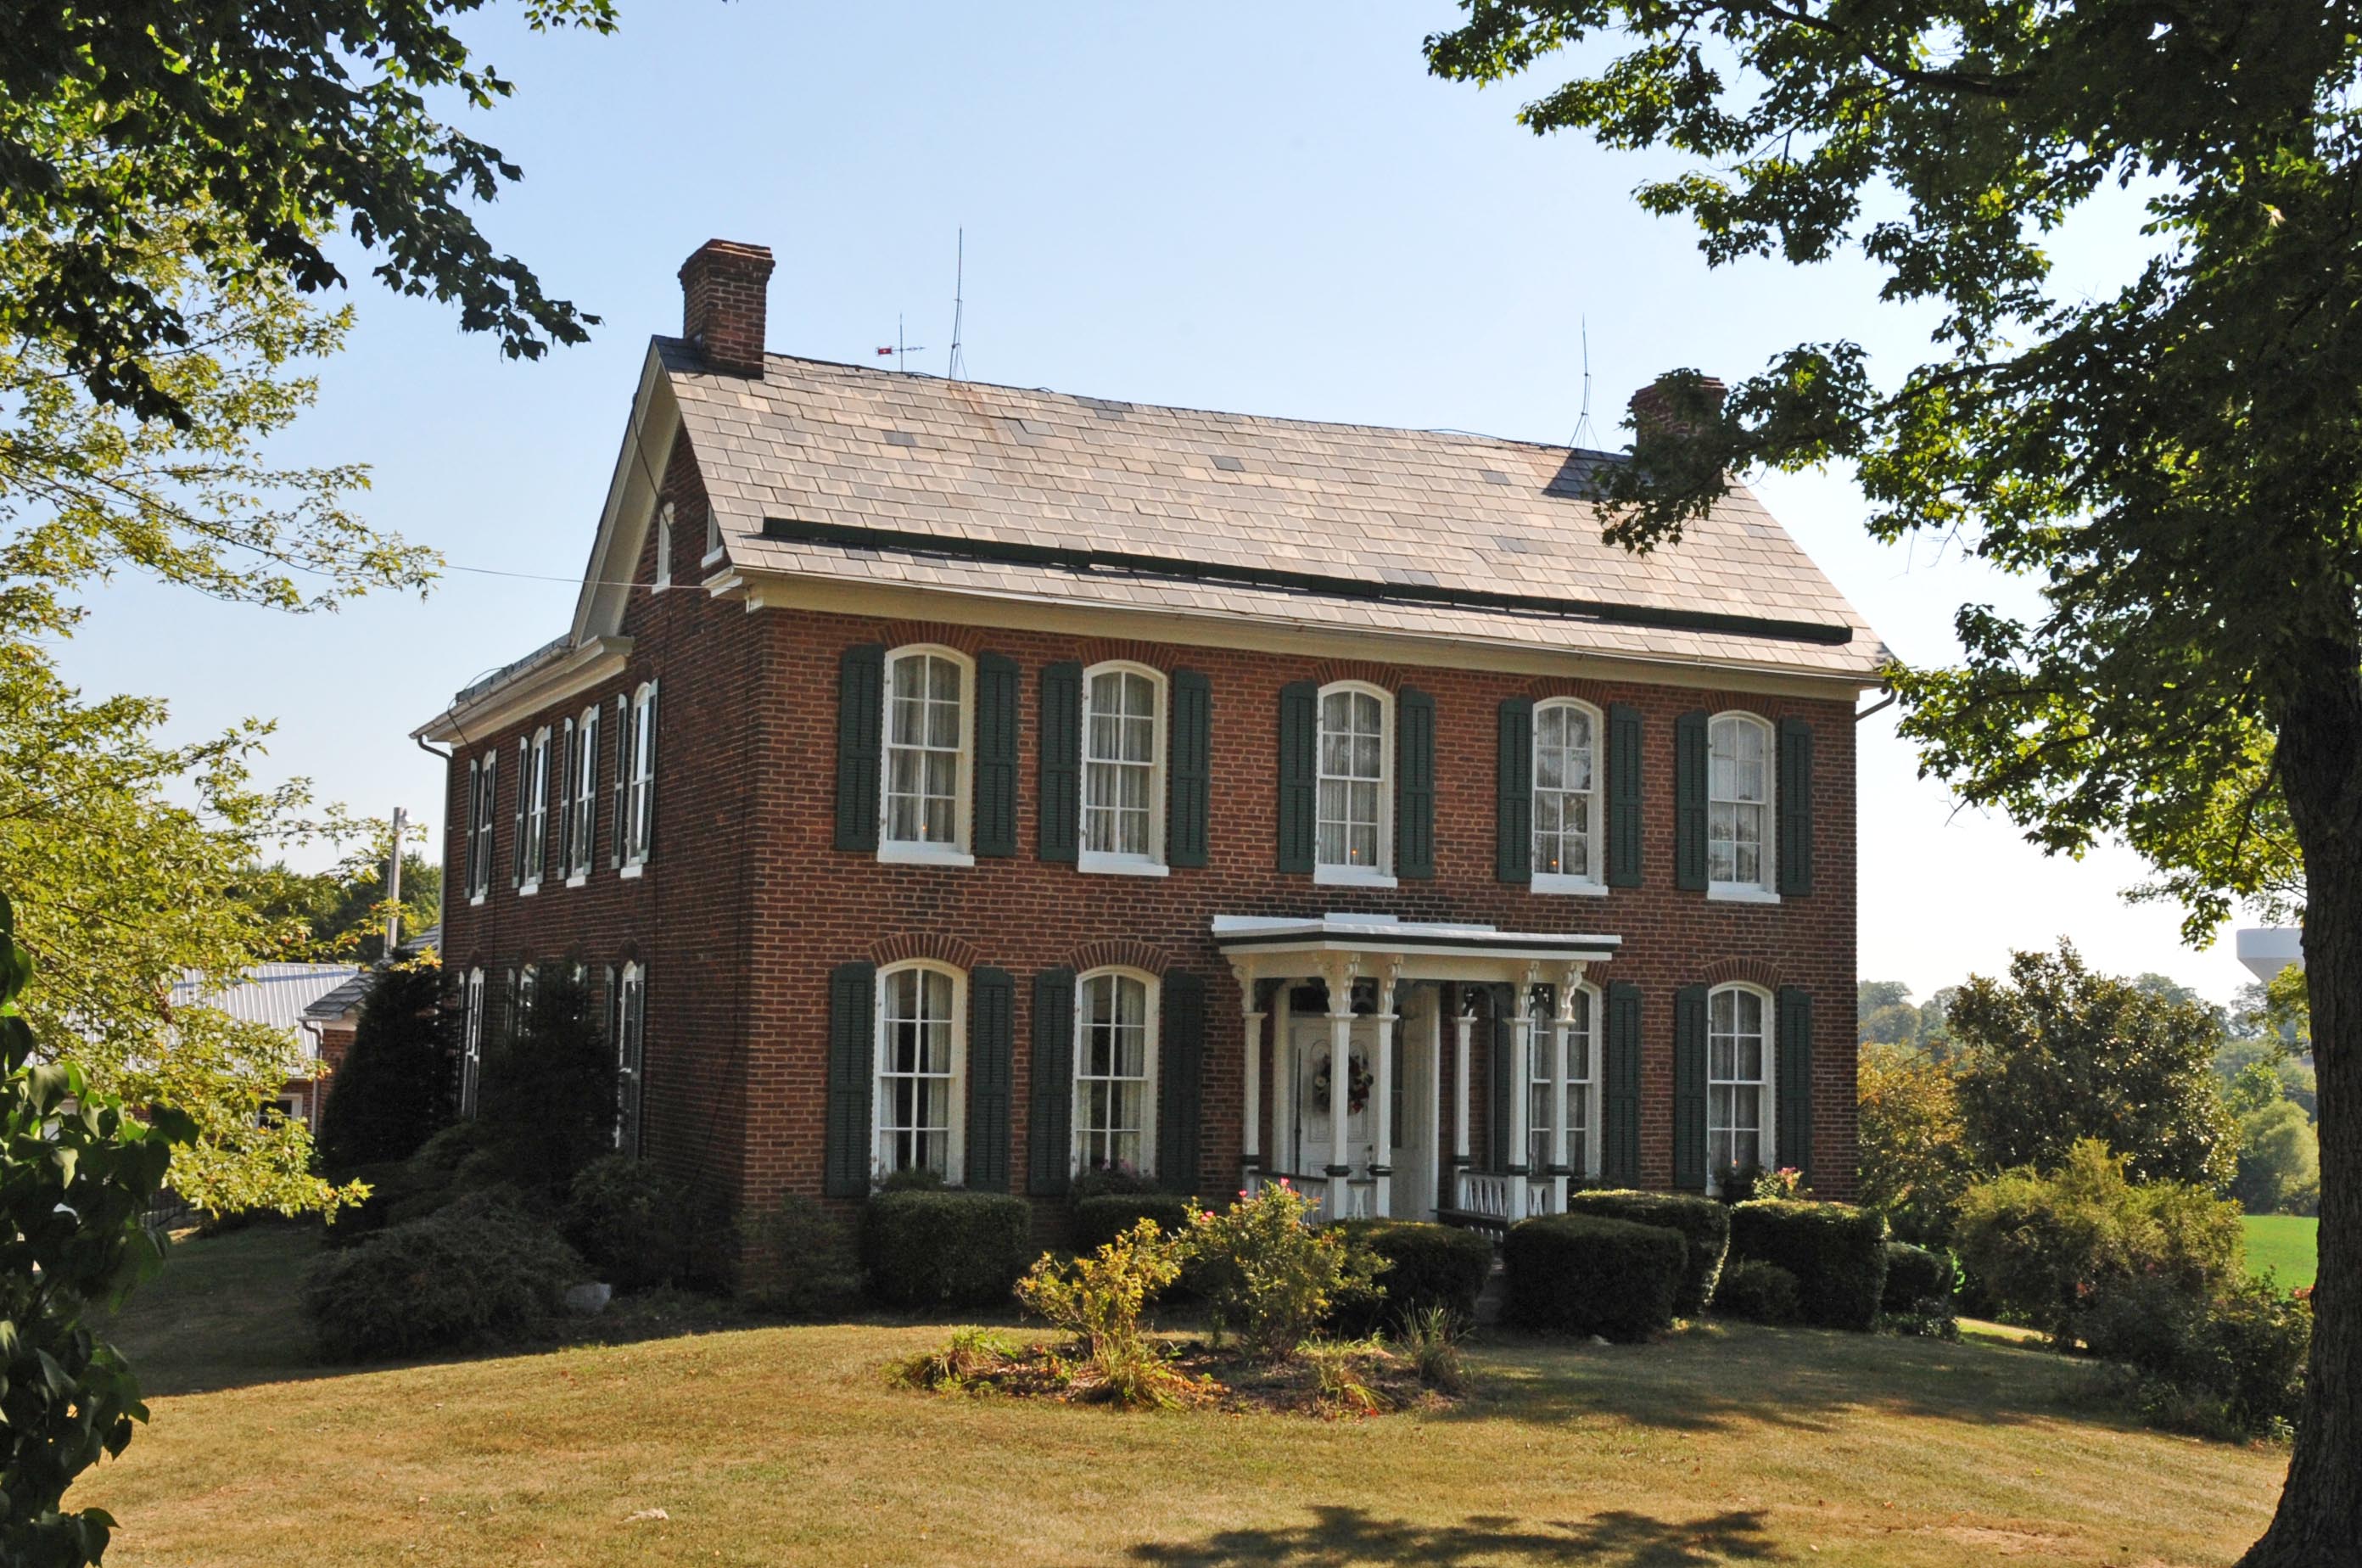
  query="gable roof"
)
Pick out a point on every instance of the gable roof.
point(280, 996)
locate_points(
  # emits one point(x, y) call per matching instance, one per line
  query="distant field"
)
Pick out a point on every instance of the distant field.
point(2285, 1244)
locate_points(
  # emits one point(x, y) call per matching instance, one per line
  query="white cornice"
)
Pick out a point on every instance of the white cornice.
point(530, 690)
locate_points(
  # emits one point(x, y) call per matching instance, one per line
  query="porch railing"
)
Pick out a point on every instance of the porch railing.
point(1484, 1196)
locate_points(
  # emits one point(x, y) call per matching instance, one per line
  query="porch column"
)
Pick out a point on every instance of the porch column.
point(1382, 1105)
point(1251, 1142)
point(1431, 1097)
point(1283, 1078)
point(1464, 1022)
point(1340, 1086)
point(1521, 1095)
point(1565, 1022)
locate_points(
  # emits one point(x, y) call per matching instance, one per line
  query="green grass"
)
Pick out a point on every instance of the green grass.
point(2287, 1244)
point(779, 1445)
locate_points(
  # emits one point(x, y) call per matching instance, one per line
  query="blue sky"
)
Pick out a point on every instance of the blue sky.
point(1270, 209)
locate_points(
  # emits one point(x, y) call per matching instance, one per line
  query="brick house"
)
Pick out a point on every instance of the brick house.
point(1017, 784)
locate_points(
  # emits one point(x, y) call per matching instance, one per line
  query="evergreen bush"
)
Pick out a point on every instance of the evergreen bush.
point(1586, 1274)
point(392, 1090)
point(631, 1222)
point(546, 1102)
point(1916, 1275)
point(1704, 1225)
point(482, 1271)
point(1757, 1291)
point(1837, 1252)
point(1102, 1217)
point(945, 1249)
point(797, 1257)
point(1429, 1268)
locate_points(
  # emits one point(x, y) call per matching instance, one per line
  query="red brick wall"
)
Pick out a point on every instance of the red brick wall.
point(745, 906)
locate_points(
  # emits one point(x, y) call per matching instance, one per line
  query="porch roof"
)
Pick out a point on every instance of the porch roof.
point(1274, 946)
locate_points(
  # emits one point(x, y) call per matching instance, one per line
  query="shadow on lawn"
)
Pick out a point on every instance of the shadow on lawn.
point(1615, 1540)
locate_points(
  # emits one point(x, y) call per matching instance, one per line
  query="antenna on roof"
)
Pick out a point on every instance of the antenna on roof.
point(898, 350)
point(957, 367)
point(1583, 420)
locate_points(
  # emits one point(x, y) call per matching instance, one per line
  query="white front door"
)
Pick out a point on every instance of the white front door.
point(1314, 1150)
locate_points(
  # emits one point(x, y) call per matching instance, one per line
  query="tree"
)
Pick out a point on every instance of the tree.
point(2280, 1161)
point(2173, 458)
point(2058, 1053)
point(1914, 1164)
point(344, 910)
point(77, 1173)
point(394, 1088)
point(546, 1099)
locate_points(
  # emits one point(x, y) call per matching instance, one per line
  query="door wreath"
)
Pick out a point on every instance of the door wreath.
point(1357, 1085)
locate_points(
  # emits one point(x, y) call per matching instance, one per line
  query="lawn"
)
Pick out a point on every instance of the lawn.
point(782, 1445)
point(2286, 1243)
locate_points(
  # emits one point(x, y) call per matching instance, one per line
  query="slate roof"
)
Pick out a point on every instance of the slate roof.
point(847, 472)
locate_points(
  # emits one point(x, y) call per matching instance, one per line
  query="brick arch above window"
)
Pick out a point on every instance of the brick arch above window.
point(1755, 972)
point(628, 952)
point(1543, 687)
point(1119, 952)
point(969, 640)
point(928, 945)
point(1386, 677)
point(1123, 650)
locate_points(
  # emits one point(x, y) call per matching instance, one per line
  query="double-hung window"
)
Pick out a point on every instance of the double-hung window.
point(1738, 1081)
point(922, 1066)
point(533, 856)
point(1581, 1107)
point(1354, 823)
point(471, 1041)
point(1115, 1073)
point(1566, 798)
point(631, 1034)
point(582, 823)
point(1739, 806)
point(930, 741)
point(483, 774)
point(640, 778)
point(1123, 769)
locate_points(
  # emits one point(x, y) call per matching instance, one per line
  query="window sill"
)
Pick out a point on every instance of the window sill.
point(1577, 887)
point(475, 901)
point(527, 890)
point(1734, 893)
point(1352, 877)
point(634, 869)
point(924, 855)
point(712, 555)
point(578, 879)
point(1121, 865)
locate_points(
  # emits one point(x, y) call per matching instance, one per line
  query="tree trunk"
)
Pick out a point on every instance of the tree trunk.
point(2319, 1524)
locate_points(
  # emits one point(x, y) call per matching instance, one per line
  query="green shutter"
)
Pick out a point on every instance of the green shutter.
point(1049, 1140)
point(1795, 841)
point(1060, 762)
point(852, 1053)
point(1300, 776)
point(991, 1051)
point(1189, 770)
point(1414, 783)
point(1624, 814)
point(1181, 1051)
point(1620, 1145)
point(1689, 1088)
point(1504, 1084)
point(1794, 1134)
point(860, 720)
point(1689, 803)
point(1513, 780)
point(996, 755)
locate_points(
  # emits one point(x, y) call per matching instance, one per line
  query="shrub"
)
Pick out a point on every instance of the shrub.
point(1586, 1274)
point(913, 1179)
point(797, 1258)
point(625, 1217)
point(479, 1273)
point(1270, 1276)
point(943, 1249)
point(963, 1364)
point(394, 1088)
point(1429, 1267)
point(1837, 1252)
point(1108, 1180)
point(1101, 1219)
point(1705, 1226)
point(547, 1098)
point(1736, 1184)
point(1914, 1274)
point(1342, 1375)
point(1429, 1339)
point(2227, 1365)
point(2038, 1244)
point(1100, 1298)
point(1758, 1291)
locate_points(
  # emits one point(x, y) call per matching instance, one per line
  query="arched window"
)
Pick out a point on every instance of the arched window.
point(584, 819)
point(922, 1070)
point(928, 730)
point(1115, 1072)
point(664, 546)
point(1123, 768)
point(471, 1041)
point(1566, 795)
point(631, 1050)
point(533, 854)
point(1582, 1105)
point(1354, 841)
point(1737, 1082)
point(1738, 804)
point(640, 778)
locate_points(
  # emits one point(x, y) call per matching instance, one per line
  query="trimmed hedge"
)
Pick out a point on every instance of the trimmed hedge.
point(1758, 1291)
point(945, 1249)
point(1914, 1274)
point(480, 1272)
point(1837, 1252)
point(1585, 1274)
point(1432, 1265)
point(1100, 1220)
point(1704, 1223)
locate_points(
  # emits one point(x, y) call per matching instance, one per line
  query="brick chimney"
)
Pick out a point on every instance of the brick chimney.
point(1653, 406)
point(723, 290)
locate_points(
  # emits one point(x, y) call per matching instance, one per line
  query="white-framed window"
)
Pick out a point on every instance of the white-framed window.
point(1115, 1072)
point(640, 781)
point(920, 1095)
point(712, 536)
point(664, 546)
point(1354, 838)
point(584, 822)
point(1123, 768)
point(483, 776)
point(536, 812)
point(1566, 796)
point(631, 1034)
point(929, 731)
point(1738, 1080)
point(1739, 806)
point(1582, 1105)
point(471, 1041)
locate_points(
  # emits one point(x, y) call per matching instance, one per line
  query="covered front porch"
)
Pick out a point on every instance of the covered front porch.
point(1409, 1007)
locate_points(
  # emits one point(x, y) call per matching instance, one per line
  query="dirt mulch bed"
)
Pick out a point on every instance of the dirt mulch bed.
point(1331, 1382)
